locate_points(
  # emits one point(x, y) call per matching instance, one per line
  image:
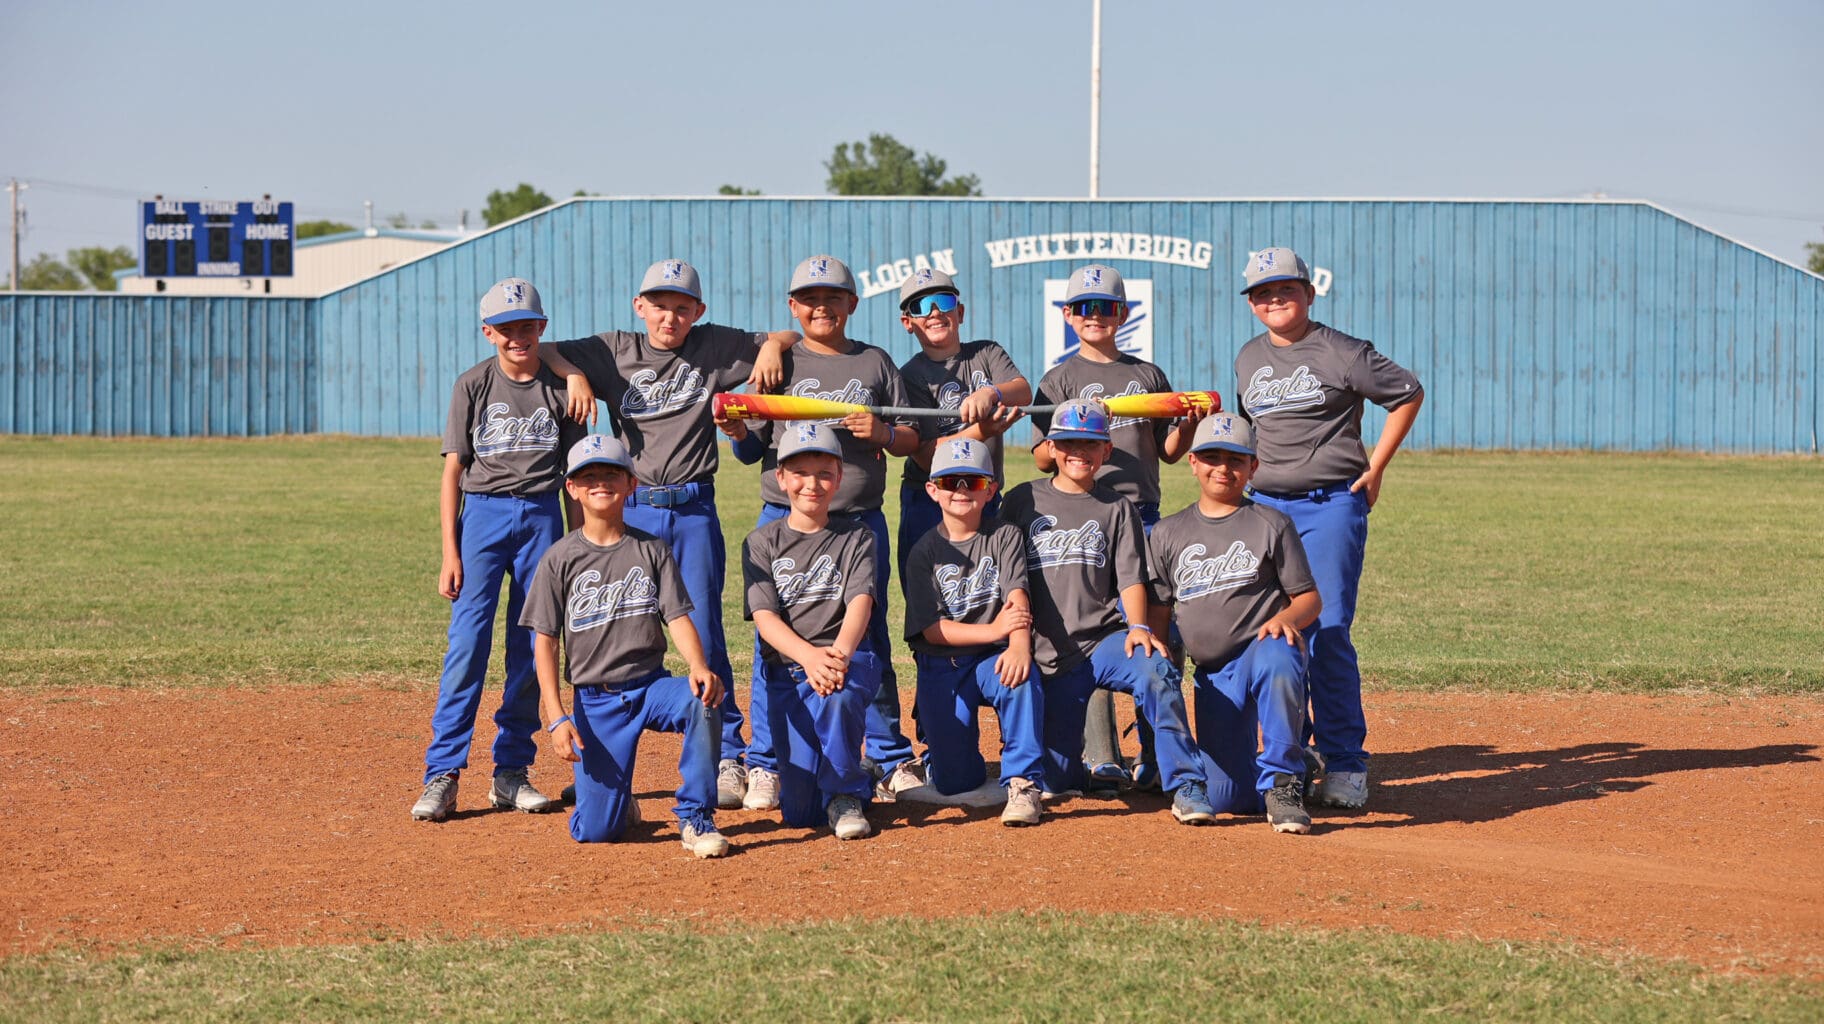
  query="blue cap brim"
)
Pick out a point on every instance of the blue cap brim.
point(673, 288)
point(513, 314)
point(962, 471)
point(1223, 446)
point(1276, 277)
point(1097, 295)
point(1075, 435)
point(598, 461)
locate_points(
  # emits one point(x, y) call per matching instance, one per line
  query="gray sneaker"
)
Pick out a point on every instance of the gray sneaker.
point(847, 819)
point(762, 790)
point(1286, 806)
point(1191, 804)
point(895, 782)
point(1023, 804)
point(1343, 789)
point(702, 840)
point(437, 800)
point(731, 785)
point(512, 789)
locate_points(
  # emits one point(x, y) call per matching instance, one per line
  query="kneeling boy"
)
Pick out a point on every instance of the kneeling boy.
point(605, 590)
point(970, 626)
point(1236, 576)
point(810, 592)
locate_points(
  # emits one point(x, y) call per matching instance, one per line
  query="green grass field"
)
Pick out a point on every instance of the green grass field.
point(298, 560)
point(304, 560)
point(1006, 967)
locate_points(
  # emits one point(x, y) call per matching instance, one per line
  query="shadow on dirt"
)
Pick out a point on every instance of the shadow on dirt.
point(1474, 783)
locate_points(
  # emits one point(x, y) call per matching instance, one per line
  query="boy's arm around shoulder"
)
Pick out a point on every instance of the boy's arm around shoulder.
point(580, 397)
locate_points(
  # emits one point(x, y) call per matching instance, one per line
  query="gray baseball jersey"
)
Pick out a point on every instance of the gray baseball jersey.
point(1132, 470)
point(659, 398)
point(863, 374)
point(1226, 576)
point(512, 435)
point(807, 579)
point(935, 384)
point(964, 582)
point(1305, 401)
point(608, 604)
point(1082, 550)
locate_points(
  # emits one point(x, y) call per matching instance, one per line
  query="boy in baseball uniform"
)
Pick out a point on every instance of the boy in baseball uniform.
point(658, 384)
point(828, 364)
point(975, 378)
point(607, 592)
point(969, 624)
point(1085, 562)
point(1234, 573)
point(1302, 386)
point(1095, 308)
point(500, 506)
point(810, 580)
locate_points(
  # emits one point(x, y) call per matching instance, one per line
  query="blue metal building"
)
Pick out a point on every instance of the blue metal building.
point(1534, 325)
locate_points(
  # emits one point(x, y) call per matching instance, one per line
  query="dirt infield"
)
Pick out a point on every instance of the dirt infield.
point(1673, 826)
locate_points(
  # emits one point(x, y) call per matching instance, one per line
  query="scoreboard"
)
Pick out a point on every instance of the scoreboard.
point(215, 238)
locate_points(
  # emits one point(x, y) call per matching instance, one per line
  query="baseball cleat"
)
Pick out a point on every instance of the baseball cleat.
point(1343, 789)
point(437, 800)
point(895, 782)
point(847, 819)
point(1191, 805)
point(762, 790)
point(731, 785)
point(1286, 806)
point(512, 789)
point(702, 840)
point(1023, 804)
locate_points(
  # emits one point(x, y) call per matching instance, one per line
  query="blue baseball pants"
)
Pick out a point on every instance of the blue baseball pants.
point(817, 738)
point(609, 721)
point(1333, 525)
point(500, 536)
point(1265, 684)
point(1155, 687)
point(951, 690)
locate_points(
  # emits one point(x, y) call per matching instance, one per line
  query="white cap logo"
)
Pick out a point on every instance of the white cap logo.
point(674, 269)
point(1092, 277)
point(513, 293)
point(807, 432)
point(1264, 260)
point(960, 450)
point(820, 267)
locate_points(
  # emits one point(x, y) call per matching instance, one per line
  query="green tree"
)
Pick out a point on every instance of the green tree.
point(399, 221)
point(45, 274)
point(1816, 249)
point(504, 206)
point(736, 190)
point(99, 264)
point(884, 166)
point(319, 228)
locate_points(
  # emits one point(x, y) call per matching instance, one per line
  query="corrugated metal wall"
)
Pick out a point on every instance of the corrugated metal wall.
point(1605, 325)
point(114, 365)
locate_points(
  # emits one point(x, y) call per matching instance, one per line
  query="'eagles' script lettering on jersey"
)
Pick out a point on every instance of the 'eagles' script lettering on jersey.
point(647, 395)
point(1085, 545)
point(821, 582)
point(594, 603)
point(498, 432)
point(1195, 576)
point(951, 394)
point(1093, 392)
point(1267, 394)
point(963, 594)
point(854, 391)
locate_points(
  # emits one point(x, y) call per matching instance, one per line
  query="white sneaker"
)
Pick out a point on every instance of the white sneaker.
point(762, 790)
point(437, 800)
point(512, 789)
point(731, 785)
point(847, 819)
point(1343, 789)
point(703, 841)
point(1023, 804)
point(895, 782)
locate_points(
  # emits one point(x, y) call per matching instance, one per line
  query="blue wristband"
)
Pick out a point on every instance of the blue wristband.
point(553, 726)
point(998, 397)
point(1140, 625)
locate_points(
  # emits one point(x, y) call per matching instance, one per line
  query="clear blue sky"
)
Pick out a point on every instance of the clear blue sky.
point(1715, 111)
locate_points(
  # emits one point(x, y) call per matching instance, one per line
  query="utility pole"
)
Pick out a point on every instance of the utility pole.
point(14, 186)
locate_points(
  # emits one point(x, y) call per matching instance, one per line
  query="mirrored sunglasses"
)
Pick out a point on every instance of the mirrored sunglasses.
point(962, 482)
point(935, 302)
point(1097, 307)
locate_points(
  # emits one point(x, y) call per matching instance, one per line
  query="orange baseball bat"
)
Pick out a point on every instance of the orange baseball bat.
point(1157, 405)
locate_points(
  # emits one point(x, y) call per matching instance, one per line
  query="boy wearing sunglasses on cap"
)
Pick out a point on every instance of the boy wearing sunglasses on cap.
point(975, 378)
point(1086, 564)
point(1236, 577)
point(969, 624)
point(1095, 307)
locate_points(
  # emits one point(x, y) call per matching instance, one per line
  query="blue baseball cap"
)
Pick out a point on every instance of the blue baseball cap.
point(1275, 264)
point(672, 276)
point(822, 272)
point(1223, 431)
point(598, 450)
point(961, 456)
point(1095, 282)
point(510, 300)
point(801, 436)
point(1079, 420)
